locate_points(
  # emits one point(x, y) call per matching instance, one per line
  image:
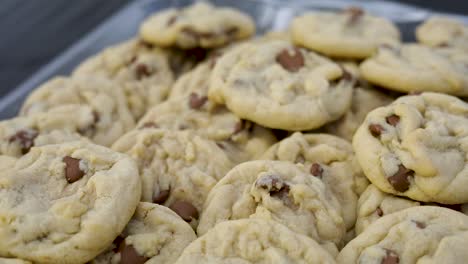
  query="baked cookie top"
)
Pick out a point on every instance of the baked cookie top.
point(111, 114)
point(424, 234)
point(351, 33)
point(66, 201)
point(198, 25)
point(278, 85)
point(254, 241)
point(416, 147)
point(440, 31)
point(155, 235)
point(277, 190)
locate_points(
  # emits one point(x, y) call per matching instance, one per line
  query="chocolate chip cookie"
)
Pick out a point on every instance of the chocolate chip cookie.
point(280, 191)
point(177, 168)
point(254, 241)
point(143, 72)
point(66, 203)
point(351, 33)
point(111, 114)
point(416, 147)
point(278, 85)
point(330, 159)
point(155, 235)
point(424, 234)
point(198, 25)
point(440, 31)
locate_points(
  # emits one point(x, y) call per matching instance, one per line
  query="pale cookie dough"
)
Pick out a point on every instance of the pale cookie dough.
point(374, 204)
point(278, 85)
point(443, 32)
point(424, 234)
point(198, 25)
point(417, 68)
point(61, 124)
point(177, 168)
point(254, 241)
point(13, 261)
point(155, 235)
point(143, 72)
point(66, 203)
point(280, 191)
point(416, 147)
point(112, 117)
point(351, 33)
point(365, 98)
point(242, 140)
point(330, 159)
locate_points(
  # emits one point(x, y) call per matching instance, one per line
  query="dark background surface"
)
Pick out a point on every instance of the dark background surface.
point(32, 32)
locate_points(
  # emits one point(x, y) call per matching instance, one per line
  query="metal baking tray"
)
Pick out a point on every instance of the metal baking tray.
point(268, 14)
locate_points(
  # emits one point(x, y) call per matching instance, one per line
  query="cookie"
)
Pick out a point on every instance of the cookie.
point(418, 68)
point(13, 261)
point(416, 147)
point(351, 33)
point(143, 72)
point(177, 168)
point(61, 124)
point(241, 140)
point(424, 234)
point(278, 85)
point(66, 203)
point(112, 117)
point(330, 159)
point(365, 98)
point(154, 235)
point(254, 241)
point(198, 25)
point(280, 191)
point(374, 204)
point(440, 31)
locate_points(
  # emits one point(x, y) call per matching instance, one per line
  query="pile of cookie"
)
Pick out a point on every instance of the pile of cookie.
point(197, 142)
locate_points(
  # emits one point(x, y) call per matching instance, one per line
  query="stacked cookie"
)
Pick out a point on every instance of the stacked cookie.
point(195, 143)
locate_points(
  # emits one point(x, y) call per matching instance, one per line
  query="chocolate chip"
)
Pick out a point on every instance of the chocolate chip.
point(316, 170)
point(376, 130)
point(161, 197)
point(355, 14)
point(196, 101)
point(391, 257)
point(129, 255)
point(276, 187)
point(25, 138)
point(419, 224)
point(400, 180)
point(184, 209)
point(72, 169)
point(149, 124)
point(393, 120)
point(290, 61)
point(142, 71)
point(443, 45)
point(379, 211)
point(171, 20)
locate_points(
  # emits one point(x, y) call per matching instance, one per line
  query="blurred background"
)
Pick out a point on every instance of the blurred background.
point(32, 32)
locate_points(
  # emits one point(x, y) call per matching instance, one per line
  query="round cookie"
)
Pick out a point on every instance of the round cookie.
point(177, 168)
point(240, 139)
point(280, 191)
point(351, 33)
point(198, 25)
point(281, 86)
point(112, 117)
point(440, 31)
point(143, 72)
point(416, 147)
point(374, 204)
point(254, 241)
point(424, 234)
point(330, 159)
point(155, 235)
point(66, 203)
point(61, 124)
point(417, 68)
